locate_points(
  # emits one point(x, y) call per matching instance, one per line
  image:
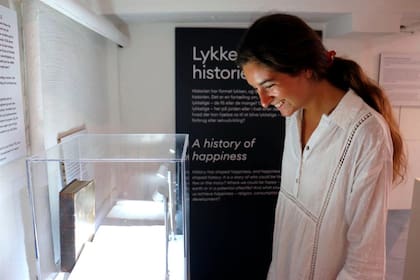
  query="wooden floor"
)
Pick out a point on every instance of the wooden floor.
point(397, 232)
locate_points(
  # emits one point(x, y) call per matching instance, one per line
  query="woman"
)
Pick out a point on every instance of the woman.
point(342, 152)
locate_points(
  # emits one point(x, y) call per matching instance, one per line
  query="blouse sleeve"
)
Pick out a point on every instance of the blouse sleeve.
point(367, 205)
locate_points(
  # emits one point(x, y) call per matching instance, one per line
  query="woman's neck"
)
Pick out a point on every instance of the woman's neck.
point(325, 98)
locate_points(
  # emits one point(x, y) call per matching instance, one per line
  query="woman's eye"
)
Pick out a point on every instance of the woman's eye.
point(269, 86)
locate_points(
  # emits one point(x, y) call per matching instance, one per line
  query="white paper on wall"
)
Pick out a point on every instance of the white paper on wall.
point(12, 127)
point(399, 75)
point(71, 170)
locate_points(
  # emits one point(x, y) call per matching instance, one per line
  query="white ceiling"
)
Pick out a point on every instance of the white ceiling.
point(340, 17)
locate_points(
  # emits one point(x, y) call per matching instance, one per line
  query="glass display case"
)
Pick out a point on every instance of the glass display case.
point(111, 206)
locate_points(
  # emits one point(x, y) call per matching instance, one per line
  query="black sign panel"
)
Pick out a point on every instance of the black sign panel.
point(235, 157)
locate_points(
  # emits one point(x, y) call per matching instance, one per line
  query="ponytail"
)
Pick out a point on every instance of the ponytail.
point(345, 74)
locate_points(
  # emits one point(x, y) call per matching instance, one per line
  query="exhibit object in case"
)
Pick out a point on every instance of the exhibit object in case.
point(111, 206)
point(77, 220)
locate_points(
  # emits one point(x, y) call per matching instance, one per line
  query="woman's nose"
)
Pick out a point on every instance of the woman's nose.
point(265, 99)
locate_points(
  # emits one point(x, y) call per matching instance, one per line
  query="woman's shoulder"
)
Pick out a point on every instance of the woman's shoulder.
point(362, 114)
point(370, 128)
point(352, 112)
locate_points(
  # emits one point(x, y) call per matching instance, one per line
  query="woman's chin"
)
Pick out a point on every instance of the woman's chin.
point(286, 112)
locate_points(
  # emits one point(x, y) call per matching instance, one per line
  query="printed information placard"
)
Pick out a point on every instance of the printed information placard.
point(399, 75)
point(235, 157)
point(12, 127)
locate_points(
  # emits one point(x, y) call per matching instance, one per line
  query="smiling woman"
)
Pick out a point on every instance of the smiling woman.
point(342, 151)
point(286, 92)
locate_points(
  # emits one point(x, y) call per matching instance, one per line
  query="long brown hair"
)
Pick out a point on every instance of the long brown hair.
point(287, 44)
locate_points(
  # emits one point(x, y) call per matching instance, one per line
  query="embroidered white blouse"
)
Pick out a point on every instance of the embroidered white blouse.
point(331, 212)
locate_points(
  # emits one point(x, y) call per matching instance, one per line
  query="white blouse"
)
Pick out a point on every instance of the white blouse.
point(331, 210)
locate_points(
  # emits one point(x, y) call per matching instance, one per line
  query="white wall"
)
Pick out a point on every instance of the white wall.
point(71, 78)
point(147, 79)
point(16, 238)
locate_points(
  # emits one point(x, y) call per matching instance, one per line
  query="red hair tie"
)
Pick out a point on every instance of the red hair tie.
point(330, 56)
